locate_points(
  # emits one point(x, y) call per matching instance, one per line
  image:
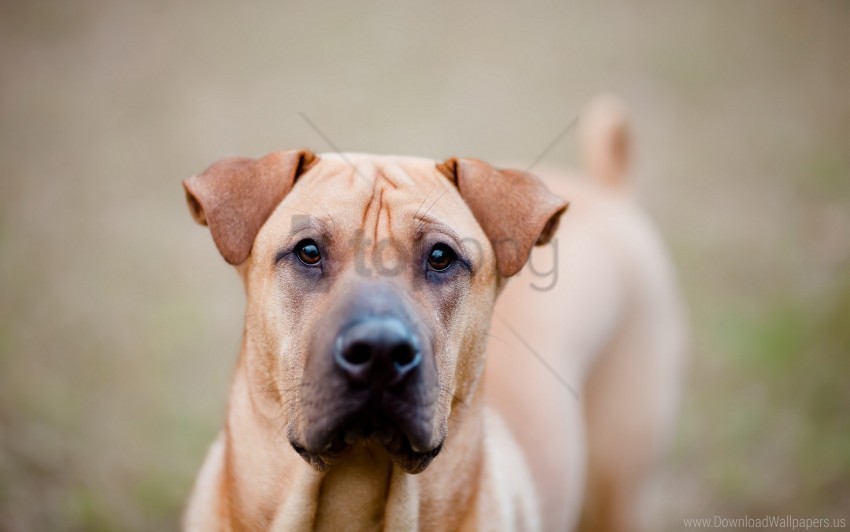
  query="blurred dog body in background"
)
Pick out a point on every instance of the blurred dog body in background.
point(368, 380)
point(587, 344)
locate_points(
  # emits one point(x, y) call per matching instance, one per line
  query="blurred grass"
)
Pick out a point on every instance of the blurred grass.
point(119, 323)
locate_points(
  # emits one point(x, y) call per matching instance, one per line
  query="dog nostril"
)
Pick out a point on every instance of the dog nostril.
point(376, 352)
point(359, 353)
point(403, 356)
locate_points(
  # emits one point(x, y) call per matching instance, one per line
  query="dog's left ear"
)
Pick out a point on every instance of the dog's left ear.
point(514, 208)
point(235, 197)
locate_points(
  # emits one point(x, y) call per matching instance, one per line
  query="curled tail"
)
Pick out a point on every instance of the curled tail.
point(606, 140)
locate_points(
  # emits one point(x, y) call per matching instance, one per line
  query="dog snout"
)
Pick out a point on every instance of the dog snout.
point(377, 352)
point(373, 380)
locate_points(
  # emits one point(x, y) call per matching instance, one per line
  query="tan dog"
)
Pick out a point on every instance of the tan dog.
point(359, 400)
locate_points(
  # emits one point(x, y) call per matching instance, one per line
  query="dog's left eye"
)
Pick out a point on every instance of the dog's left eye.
point(308, 252)
point(441, 257)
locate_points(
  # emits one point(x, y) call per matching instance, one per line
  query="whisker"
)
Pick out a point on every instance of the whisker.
point(423, 203)
point(461, 401)
point(421, 223)
point(319, 205)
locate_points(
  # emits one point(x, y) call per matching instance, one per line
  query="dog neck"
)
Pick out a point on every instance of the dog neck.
point(265, 484)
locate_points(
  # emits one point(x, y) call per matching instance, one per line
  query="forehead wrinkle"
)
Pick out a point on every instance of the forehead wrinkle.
point(421, 180)
point(383, 185)
point(391, 181)
point(397, 175)
point(362, 171)
point(372, 186)
point(339, 172)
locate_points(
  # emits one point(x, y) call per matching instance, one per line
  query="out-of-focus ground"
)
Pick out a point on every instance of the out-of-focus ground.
point(119, 322)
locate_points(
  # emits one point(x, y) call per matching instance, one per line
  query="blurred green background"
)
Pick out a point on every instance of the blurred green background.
point(119, 322)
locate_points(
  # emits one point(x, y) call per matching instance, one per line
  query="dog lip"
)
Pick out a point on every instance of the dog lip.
point(416, 462)
point(368, 430)
point(370, 415)
point(410, 461)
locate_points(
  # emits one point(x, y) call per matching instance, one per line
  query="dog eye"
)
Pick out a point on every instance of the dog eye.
point(308, 252)
point(441, 257)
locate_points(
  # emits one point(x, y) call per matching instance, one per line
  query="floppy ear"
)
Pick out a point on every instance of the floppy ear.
point(235, 197)
point(514, 208)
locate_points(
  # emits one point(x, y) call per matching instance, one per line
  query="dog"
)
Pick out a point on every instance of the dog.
point(381, 386)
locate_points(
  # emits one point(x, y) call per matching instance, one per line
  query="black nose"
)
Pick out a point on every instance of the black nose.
point(378, 351)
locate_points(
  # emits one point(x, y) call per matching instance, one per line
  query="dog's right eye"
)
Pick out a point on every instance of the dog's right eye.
point(308, 252)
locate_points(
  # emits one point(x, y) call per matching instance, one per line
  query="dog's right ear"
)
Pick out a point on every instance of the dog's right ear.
point(235, 197)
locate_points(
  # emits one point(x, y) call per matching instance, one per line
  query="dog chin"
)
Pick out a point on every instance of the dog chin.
point(392, 441)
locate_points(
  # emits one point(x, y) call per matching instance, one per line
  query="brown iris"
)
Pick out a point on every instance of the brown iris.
point(308, 252)
point(441, 257)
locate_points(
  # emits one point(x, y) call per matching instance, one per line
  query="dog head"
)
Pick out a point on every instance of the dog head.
point(370, 283)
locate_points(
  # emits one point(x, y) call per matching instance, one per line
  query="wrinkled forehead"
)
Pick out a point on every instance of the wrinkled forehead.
point(368, 192)
point(358, 177)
